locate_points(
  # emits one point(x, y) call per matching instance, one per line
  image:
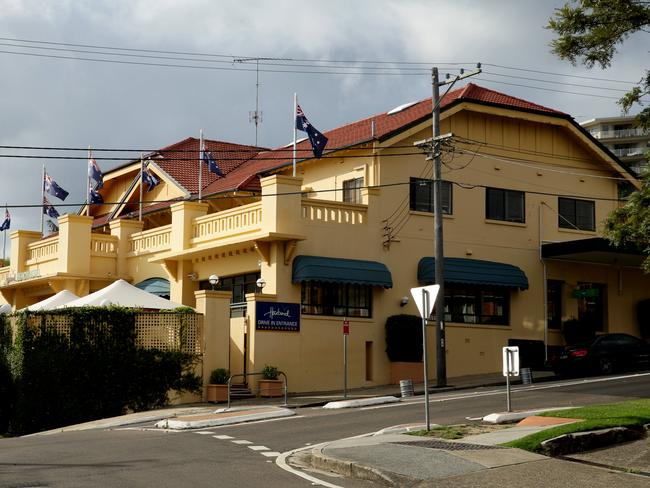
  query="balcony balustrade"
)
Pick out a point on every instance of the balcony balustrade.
point(150, 241)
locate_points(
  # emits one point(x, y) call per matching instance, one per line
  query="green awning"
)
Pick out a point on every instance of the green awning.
point(473, 272)
point(339, 270)
point(156, 286)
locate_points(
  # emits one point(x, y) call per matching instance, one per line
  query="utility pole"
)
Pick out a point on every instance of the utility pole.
point(432, 148)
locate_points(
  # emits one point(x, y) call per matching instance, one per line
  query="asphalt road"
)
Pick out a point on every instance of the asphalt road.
point(233, 456)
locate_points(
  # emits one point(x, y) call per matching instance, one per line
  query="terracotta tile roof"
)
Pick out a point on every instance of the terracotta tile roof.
point(242, 164)
point(180, 161)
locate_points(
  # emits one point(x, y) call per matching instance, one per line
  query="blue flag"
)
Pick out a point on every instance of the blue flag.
point(212, 164)
point(95, 173)
point(318, 141)
point(94, 197)
point(7, 221)
point(53, 189)
point(49, 210)
point(150, 179)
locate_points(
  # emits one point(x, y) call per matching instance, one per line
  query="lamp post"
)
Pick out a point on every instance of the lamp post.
point(261, 283)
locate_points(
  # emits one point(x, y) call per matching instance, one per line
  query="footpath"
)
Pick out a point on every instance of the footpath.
point(391, 457)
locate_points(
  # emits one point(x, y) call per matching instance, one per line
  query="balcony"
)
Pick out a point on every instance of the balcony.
point(621, 133)
point(627, 152)
point(330, 212)
point(150, 241)
point(219, 226)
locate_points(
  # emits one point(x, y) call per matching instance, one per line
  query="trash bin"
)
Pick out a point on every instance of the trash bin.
point(406, 388)
point(526, 376)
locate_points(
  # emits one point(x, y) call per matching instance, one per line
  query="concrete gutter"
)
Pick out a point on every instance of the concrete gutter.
point(362, 402)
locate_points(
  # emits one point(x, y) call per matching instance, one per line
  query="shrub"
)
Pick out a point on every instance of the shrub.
point(404, 338)
point(270, 372)
point(219, 376)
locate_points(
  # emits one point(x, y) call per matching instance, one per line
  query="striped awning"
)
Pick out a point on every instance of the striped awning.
point(340, 270)
point(473, 272)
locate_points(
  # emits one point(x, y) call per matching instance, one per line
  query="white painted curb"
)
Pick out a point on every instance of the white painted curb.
point(174, 424)
point(508, 417)
point(363, 402)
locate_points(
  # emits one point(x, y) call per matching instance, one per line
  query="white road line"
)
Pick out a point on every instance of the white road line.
point(270, 454)
point(223, 437)
point(242, 442)
point(204, 432)
point(501, 391)
point(259, 448)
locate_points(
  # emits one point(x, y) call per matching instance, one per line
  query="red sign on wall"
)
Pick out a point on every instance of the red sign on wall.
point(346, 327)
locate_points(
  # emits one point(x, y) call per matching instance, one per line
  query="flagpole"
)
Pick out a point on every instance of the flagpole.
point(295, 110)
point(141, 180)
point(4, 241)
point(88, 183)
point(42, 198)
point(201, 148)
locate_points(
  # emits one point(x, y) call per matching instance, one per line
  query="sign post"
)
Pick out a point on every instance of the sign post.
point(346, 333)
point(424, 297)
point(510, 367)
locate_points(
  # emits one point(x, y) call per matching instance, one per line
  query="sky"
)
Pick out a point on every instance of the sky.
point(47, 101)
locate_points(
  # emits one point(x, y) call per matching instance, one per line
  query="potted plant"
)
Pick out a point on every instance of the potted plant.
point(217, 388)
point(270, 385)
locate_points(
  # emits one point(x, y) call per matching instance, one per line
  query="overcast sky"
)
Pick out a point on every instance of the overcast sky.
point(46, 101)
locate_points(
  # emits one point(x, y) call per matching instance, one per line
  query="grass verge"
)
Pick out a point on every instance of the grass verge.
point(634, 413)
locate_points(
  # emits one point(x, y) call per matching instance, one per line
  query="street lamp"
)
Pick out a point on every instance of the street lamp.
point(214, 280)
point(261, 283)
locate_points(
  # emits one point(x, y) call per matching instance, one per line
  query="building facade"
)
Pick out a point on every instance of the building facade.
point(623, 138)
point(525, 192)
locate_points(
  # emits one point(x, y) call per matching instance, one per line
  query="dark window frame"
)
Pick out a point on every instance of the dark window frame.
point(336, 299)
point(499, 205)
point(569, 216)
point(471, 304)
point(421, 196)
point(352, 190)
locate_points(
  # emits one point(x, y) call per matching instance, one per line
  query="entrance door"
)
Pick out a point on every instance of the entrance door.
point(591, 305)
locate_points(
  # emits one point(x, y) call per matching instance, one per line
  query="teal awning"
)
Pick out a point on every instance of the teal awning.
point(156, 286)
point(473, 272)
point(339, 270)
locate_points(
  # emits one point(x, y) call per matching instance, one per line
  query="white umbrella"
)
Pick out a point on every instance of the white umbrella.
point(55, 301)
point(123, 294)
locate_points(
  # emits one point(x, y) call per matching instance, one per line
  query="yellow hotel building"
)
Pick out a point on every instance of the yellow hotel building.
point(525, 192)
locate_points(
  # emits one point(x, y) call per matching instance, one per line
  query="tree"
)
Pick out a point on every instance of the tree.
point(590, 31)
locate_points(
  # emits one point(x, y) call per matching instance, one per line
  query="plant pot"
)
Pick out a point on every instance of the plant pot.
point(271, 388)
point(216, 393)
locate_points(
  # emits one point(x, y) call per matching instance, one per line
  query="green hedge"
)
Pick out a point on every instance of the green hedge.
point(96, 372)
point(404, 338)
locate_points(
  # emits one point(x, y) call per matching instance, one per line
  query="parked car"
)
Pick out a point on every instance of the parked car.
point(604, 354)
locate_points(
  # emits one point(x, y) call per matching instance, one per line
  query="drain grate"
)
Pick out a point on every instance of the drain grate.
point(448, 446)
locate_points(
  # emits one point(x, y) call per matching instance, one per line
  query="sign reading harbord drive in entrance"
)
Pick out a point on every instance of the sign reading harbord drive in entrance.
point(277, 316)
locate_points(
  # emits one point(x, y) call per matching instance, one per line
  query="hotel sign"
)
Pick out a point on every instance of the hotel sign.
point(277, 316)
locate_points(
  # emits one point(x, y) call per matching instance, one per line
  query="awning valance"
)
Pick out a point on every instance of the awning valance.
point(473, 272)
point(339, 270)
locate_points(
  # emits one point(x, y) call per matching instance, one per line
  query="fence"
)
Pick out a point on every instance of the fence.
point(178, 332)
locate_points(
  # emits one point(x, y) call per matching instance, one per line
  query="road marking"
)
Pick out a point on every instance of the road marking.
point(223, 437)
point(270, 454)
point(204, 432)
point(259, 448)
point(242, 442)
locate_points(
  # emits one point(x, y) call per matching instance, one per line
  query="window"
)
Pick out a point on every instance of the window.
point(239, 285)
point(468, 304)
point(338, 299)
point(421, 196)
point(576, 214)
point(352, 190)
point(554, 304)
point(508, 205)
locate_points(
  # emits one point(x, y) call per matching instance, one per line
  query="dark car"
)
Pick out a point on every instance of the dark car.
point(605, 354)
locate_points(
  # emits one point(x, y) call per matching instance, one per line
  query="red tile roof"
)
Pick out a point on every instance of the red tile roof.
point(241, 164)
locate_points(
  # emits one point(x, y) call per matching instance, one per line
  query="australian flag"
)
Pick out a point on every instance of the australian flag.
point(212, 164)
point(318, 140)
point(49, 210)
point(95, 173)
point(53, 189)
point(148, 178)
point(94, 197)
point(7, 221)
